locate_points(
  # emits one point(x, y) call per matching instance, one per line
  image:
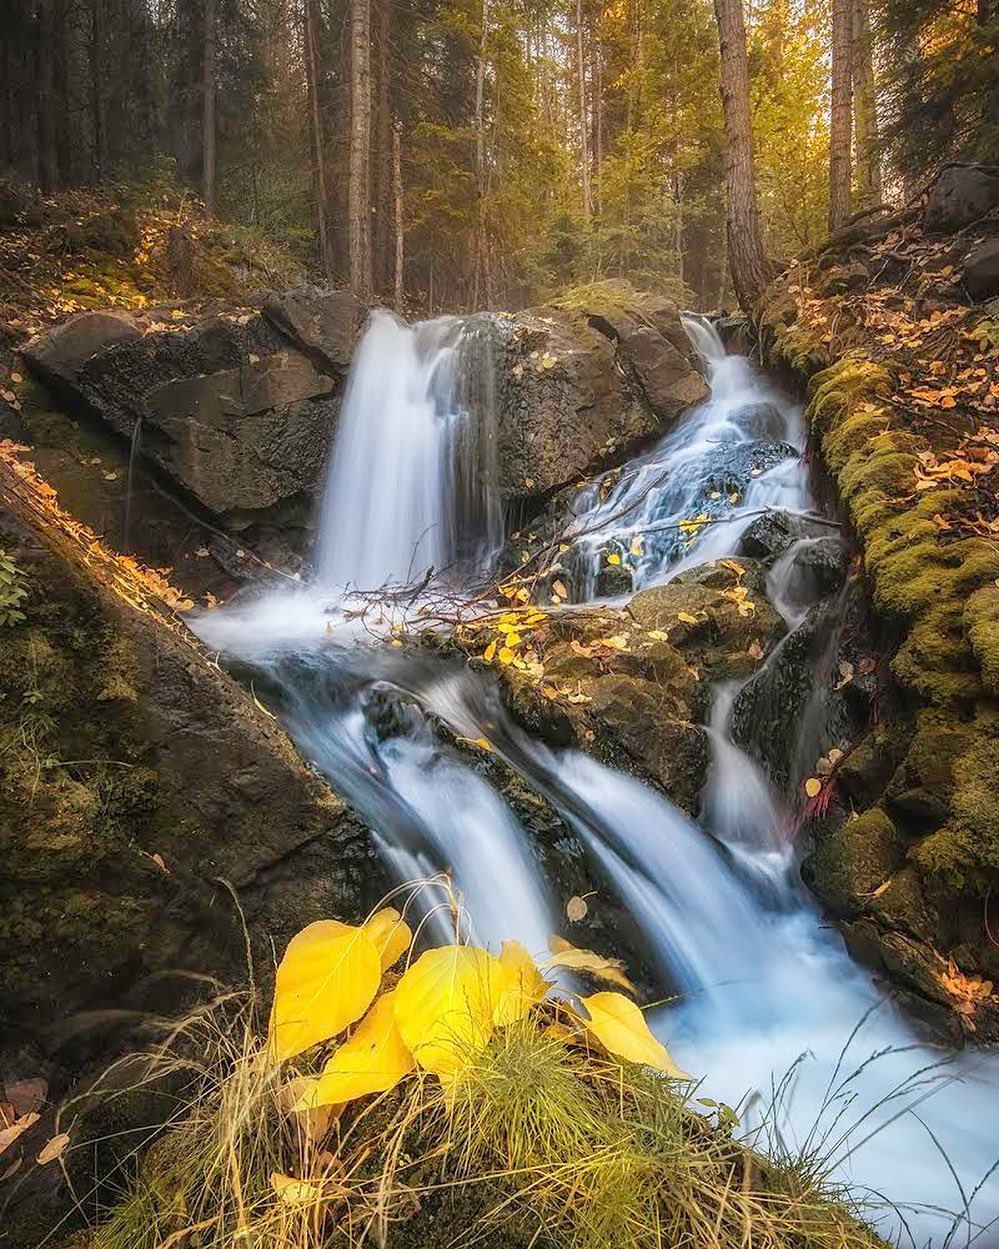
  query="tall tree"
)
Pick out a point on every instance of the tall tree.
point(584, 147)
point(359, 190)
point(208, 105)
point(865, 107)
point(747, 262)
point(841, 117)
point(320, 190)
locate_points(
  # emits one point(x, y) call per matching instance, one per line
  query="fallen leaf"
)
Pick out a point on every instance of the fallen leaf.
point(489, 652)
point(686, 617)
point(576, 909)
point(620, 1027)
point(53, 1148)
point(813, 786)
point(558, 588)
point(614, 559)
point(609, 969)
point(444, 1006)
point(295, 1192)
point(373, 1060)
point(9, 1134)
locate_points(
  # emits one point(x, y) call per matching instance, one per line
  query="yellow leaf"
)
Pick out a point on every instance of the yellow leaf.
point(374, 1059)
point(295, 1192)
point(576, 909)
point(327, 979)
point(390, 934)
point(521, 984)
point(513, 638)
point(636, 546)
point(550, 692)
point(686, 617)
point(444, 1006)
point(610, 969)
point(558, 588)
point(482, 743)
point(614, 559)
point(489, 652)
point(506, 655)
point(620, 1027)
point(53, 1148)
point(813, 786)
point(9, 1134)
point(657, 635)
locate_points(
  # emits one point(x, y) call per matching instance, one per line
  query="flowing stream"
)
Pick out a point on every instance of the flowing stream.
point(764, 990)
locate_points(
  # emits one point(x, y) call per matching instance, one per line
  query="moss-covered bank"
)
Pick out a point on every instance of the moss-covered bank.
point(903, 409)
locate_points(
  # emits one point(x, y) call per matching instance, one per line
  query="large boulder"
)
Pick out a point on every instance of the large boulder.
point(238, 408)
point(981, 270)
point(582, 385)
point(961, 195)
point(142, 791)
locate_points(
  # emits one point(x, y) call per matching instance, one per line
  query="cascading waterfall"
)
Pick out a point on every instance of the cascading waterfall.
point(411, 497)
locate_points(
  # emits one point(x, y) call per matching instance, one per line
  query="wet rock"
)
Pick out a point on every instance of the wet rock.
point(773, 533)
point(743, 461)
point(981, 270)
point(812, 569)
point(961, 195)
point(705, 613)
point(921, 791)
point(578, 386)
point(846, 867)
point(736, 333)
point(762, 421)
point(866, 770)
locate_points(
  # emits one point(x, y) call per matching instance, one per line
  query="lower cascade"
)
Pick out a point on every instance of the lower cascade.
point(760, 995)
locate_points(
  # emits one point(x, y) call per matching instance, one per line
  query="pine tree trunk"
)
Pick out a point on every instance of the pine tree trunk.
point(62, 112)
point(584, 147)
point(320, 191)
point(747, 262)
point(397, 214)
point(480, 157)
point(383, 180)
point(96, 58)
point(840, 126)
point(865, 110)
point(208, 107)
point(45, 99)
point(359, 191)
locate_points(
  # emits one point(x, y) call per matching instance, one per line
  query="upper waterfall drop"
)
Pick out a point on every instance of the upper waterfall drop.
point(411, 487)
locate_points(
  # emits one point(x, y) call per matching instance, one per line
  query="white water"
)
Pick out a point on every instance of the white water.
point(764, 983)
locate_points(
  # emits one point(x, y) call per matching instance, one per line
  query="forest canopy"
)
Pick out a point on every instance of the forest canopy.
point(453, 153)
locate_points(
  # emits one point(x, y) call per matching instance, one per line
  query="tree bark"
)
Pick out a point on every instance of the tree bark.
point(584, 146)
point(208, 152)
point(45, 99)
point(320, 191)
point(865, 108)
point(747, 261)
point(397, 214)
point(359, 189)
point(383, 215)
point(841, 125)
point(96, 91)
point(480, 157)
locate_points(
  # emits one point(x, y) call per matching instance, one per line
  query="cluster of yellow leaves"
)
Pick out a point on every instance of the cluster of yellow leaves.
point(967, 993)
point(437, 1017)
point(691, 528)
point(930, 471)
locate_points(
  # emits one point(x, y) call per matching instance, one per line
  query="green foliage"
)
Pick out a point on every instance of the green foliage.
point(13, 591)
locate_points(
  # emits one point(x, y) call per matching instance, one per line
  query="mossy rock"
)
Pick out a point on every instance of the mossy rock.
point(850, 864)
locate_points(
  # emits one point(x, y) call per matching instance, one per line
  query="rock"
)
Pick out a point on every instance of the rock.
point(773, 533)
point(579, 385)
point(324, 324)
point(810, 569)
point(119, 872)
point(231, 411)
point(981, 270)
point(718, 638)
point(736, 333)
point(846, 867)
point(762, 421)
point(844, 278)
point(961, 195)
point(59, 355)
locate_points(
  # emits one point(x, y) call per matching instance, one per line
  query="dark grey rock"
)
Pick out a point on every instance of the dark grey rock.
point(981, 270)
point(960, 195)
point(324, 324)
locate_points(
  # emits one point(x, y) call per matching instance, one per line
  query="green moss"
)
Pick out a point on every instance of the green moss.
point(847, 866)
point(949, 856)
point(981, 615)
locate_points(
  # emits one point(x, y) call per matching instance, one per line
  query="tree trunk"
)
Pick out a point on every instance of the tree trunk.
point(865, 108)
point(45, 99)
point(383, 180)
point(61, 109)
point(208, 107)
point(96, 91)
point(584, 146)
point(397, 200)
point(747, 262)
point(840, 126)
point(480, 156)
point(359, 191)
point(320, 193)
point(598, 129)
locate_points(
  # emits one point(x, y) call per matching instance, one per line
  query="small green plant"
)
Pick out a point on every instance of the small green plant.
point(13, 591)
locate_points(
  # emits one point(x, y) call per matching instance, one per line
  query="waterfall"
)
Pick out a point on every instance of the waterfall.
point(763, 986)
point(411, 488)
